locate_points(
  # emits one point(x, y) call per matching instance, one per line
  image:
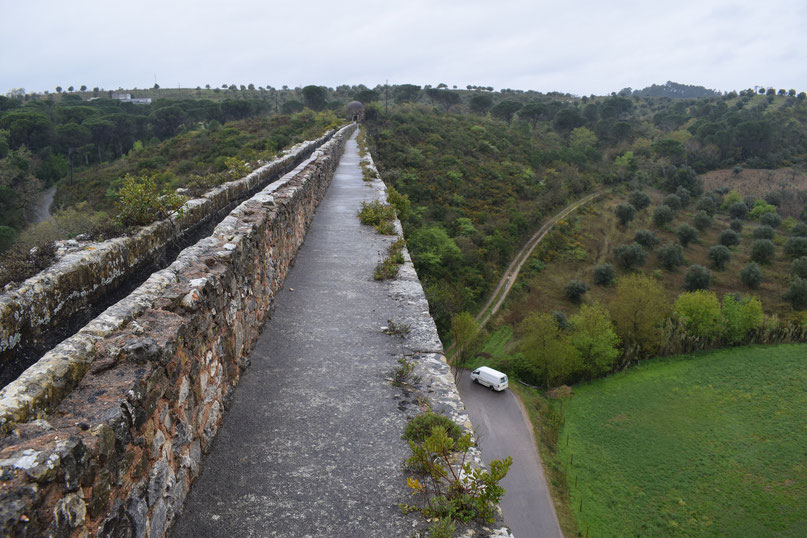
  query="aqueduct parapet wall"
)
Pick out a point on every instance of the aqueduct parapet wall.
point(44, 305)
point(151, 375)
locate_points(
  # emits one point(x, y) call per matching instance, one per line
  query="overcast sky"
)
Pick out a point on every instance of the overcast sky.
point(578, 46)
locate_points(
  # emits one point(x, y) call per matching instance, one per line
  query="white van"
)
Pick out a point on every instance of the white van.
point(490, 378)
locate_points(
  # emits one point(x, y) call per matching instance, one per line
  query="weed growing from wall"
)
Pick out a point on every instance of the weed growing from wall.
point(237, 168)
point(385, 228)
point(367, 173)
point(387, 268)
point(452, 488)
point(402, 374)
point(401, 330)
point(420, 427)
point(378, 215)
point(401, 203)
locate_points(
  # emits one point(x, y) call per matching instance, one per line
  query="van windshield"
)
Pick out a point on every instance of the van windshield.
point(503, 379)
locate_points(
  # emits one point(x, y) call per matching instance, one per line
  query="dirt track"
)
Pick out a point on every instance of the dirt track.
point(509, 277)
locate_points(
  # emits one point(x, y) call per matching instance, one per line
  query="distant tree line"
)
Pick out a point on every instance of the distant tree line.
point(671, 89)
point(45, 139)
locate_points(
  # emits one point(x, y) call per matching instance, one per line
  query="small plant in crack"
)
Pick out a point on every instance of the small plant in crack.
point(361, 141)
point(385, 228)
point(422, 425)
point(378, 215)
point(367, 173)
point(387, 268)
point(451, 487)
point(375, 213)
point(401, 330)
point(402, 374)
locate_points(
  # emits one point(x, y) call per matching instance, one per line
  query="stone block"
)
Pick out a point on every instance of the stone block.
point(69, 514)
point(161, 479)
point(100, 494)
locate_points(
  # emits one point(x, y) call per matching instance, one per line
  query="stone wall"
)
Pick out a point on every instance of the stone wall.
point(46, 302)
point(424, 348)
point(115, 455)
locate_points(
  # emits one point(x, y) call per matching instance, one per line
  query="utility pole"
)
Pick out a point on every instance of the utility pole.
point(386, 97)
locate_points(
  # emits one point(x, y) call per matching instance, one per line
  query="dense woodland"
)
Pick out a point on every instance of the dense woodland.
point(483, 169)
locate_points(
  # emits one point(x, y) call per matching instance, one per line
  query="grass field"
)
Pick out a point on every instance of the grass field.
point(712, 444)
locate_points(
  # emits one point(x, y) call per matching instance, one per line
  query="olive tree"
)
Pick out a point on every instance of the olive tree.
point(799, 267)
point(796, 247)
point(662, 216)
point(639, 200)
point(630, 256)
point(763, 251)
point(670, 256)
point(646, 238)
point(697, 277)
point(604, 274)
point(686, 234)
point(720, 256)
point(702, 220)
point(729, 238)
point(751, 275)
point(625, 213)
point(796, 294)
point(575, 289)
point(738, 210)
point(763, 232)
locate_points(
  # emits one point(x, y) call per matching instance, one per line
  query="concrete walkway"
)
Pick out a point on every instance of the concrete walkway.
point(311, 444)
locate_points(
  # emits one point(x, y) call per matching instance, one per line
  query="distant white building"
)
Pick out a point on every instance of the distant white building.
point(127, 98)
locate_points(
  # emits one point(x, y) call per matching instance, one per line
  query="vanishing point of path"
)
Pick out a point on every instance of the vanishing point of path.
point(311, 443)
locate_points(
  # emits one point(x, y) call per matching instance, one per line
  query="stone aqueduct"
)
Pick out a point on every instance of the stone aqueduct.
point(105, 433)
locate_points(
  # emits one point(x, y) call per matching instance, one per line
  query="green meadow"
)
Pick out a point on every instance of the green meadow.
point(710, 444)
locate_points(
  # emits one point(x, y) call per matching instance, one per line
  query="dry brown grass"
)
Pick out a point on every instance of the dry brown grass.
point(789, 184)
point(600, 233)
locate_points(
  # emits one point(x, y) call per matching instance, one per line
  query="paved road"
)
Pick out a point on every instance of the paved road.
point(41, 210)
point(504, 430)
point(311, 444)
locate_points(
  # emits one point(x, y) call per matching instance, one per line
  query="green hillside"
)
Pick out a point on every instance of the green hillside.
point(478, 187)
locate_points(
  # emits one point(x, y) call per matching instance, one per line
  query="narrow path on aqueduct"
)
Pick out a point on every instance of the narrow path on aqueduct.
point(311, 445)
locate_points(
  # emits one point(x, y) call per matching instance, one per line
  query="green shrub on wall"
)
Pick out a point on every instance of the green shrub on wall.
point(140, 202)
